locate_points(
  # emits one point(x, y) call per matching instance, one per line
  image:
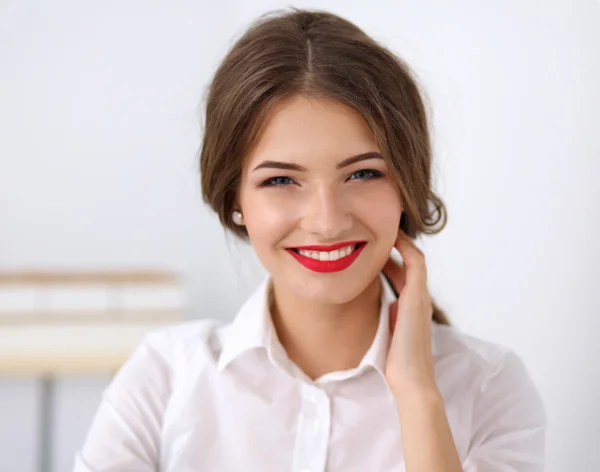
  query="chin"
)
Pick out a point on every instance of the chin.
point(332, 289)
point(327, 296)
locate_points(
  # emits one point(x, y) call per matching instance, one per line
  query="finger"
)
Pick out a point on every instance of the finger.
point(393, 315)
point(403, 240)
point(395, 273)
point(414, 259)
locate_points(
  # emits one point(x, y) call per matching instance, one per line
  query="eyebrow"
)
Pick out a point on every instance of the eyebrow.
point(299, 168)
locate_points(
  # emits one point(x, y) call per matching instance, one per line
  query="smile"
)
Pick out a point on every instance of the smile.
point(332, 258)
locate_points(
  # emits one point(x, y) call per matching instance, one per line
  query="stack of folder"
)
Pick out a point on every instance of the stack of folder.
point(61, 322)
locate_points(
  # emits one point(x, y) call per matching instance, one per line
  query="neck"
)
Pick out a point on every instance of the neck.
point(321, 338)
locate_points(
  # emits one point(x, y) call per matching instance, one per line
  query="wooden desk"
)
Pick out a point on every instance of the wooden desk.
point(53, 349)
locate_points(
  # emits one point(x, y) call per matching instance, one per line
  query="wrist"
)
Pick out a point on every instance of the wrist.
point(418, 399)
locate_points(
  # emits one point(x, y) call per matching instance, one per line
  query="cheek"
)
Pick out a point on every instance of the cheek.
point(380, 209)
point(266, 218)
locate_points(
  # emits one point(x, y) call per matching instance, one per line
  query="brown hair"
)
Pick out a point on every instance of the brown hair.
point(318, 54)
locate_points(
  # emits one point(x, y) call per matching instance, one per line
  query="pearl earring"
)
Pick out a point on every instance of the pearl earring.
point(237, 218)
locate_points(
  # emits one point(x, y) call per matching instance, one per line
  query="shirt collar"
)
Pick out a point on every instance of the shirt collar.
point(250, 328)
point(253, 328)
point(376, 355)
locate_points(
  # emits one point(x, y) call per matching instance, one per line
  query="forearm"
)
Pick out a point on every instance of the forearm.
point(427, 440)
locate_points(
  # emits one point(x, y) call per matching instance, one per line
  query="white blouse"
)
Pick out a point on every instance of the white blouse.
point(214, 396)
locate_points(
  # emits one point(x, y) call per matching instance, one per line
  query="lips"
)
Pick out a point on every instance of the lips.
point(326, 266)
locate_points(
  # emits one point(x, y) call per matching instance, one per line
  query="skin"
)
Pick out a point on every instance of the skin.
point(428, 444)
point(326, 322)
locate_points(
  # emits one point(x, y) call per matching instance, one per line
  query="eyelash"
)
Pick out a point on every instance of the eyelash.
point(270, 182)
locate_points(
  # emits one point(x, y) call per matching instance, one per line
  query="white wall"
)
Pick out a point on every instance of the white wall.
point(98, 142)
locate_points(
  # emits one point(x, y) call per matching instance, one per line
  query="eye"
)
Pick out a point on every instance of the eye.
point(365, 174)
point(280, 181)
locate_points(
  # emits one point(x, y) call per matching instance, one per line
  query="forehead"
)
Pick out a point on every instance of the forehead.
point(300, 127)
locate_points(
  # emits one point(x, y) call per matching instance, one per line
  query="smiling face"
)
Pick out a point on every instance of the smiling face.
point(316, 178)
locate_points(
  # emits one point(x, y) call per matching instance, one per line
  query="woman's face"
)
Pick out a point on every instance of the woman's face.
point(316, 178)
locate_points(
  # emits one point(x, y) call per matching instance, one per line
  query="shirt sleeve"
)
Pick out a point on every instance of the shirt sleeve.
point(509, 422)
point(126, 430)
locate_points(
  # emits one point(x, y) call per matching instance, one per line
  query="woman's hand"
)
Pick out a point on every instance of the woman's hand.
point(410, 366)
point(427, 440)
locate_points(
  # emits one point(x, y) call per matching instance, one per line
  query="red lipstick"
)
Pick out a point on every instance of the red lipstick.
point(328, 266)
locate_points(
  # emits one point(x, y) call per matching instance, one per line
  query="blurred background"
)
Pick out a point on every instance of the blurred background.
point(100, 112)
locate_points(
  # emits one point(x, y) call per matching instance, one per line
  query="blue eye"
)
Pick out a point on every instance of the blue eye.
point(365, 174)
point(277, 182)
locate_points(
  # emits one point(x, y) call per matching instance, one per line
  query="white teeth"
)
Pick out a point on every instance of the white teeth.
point(328, 256)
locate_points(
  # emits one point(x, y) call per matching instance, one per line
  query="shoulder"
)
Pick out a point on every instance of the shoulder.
point(489, 371)
point(164, 355)
point(479, 354)
point(178, 343)
point(506, 419)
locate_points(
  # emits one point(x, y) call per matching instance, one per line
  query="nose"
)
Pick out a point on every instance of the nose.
point(326, 214)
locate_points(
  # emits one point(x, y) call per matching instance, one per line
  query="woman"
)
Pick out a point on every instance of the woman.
point(316, 149)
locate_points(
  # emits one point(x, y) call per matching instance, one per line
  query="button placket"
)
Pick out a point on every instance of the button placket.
point(312, 440)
